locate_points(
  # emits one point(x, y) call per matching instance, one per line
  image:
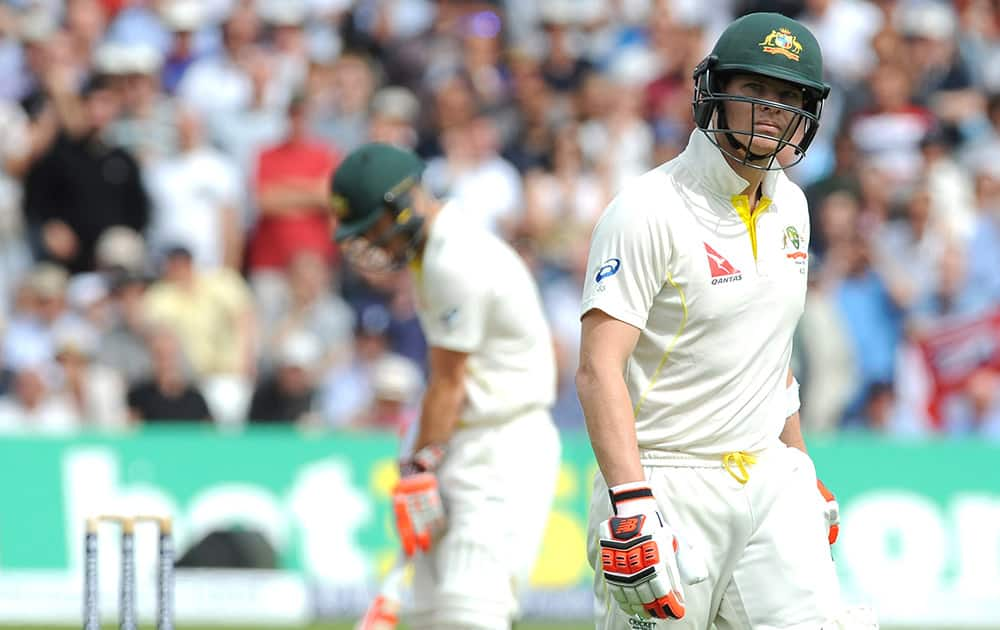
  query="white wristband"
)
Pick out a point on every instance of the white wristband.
point(792, 402)
point(634, 497)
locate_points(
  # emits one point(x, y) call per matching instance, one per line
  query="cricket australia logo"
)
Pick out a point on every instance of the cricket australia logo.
point(782, 42)
point(799, 257)
point(723, 271)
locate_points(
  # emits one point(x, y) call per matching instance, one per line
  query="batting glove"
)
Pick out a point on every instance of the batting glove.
point(420, 516)
point(639, 556)
point(831, 512)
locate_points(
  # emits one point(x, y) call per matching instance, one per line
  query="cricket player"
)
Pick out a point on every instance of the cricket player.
point(706, 509)
point(472, 502)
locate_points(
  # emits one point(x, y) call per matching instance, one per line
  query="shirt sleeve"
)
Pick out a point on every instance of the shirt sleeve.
point(628, 262)
point(456, 308)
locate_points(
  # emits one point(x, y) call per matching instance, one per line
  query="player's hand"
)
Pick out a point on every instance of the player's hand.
point(427, 459)
point(831, 512)
point(420, 516)
point(639, 556)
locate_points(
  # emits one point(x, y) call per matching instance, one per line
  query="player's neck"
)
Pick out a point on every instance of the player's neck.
point(753, 176)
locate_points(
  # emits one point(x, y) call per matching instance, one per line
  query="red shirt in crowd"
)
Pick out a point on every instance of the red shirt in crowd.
point(277, 237)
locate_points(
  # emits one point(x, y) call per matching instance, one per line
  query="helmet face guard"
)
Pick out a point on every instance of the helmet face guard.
point(371, 254)
point(708, 105)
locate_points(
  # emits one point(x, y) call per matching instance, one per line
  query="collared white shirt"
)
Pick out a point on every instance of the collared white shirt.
point(717, 294)
point(476, 295)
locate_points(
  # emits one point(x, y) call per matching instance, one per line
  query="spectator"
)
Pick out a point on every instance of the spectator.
point(183, 18)
point(292, 181)
point(307, 304)
point(219, 85)
point(343, 105)
point(170, 394)
point(82, 187)
point(123, 347)
point(33, 406)
point(396, 385)
point(395, 112)
point(976, 410)
point(197, 199)
point(288, 395)
point(29, 334)
point(96, 391)
point(210, 312)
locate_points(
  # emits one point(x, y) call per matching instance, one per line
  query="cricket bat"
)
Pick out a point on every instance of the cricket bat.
point(383, 611)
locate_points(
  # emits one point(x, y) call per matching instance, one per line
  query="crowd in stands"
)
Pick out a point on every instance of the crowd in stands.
point(165, 245)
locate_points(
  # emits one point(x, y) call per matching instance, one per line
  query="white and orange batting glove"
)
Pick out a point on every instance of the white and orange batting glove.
point(416, 501)
point(831, 512)
point(639, 556)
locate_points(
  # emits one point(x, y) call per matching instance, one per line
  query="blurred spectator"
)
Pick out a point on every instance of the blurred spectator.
point(342, 105)
point(948, 293)
point(307, 304)
point(145, 122)
point(220, 84)
point(197, 199)
point(210, 312)
point(96, 391)
point(284, 22)
point(34, 407)
point(473, 175)
point(982, 245)
point(890, 130)
point(169, 394)
point(288, 394)
point(907, 250)
point(292, 182)
point(872, 318)
point(949, 185)
point(28, 338)
point(120, 248)
point(395, 112)
point(845, 30)
point(396, 385)
point(15, 156)
point(82, 186)
point(183, 18)
point(123, 347)
point(976, 411)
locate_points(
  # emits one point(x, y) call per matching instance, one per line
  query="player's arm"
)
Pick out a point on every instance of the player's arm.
point(444, 397)
point(791, 435)
point(605, 346)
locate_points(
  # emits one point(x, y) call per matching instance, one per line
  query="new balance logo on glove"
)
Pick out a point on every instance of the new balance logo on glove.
point(639, 556)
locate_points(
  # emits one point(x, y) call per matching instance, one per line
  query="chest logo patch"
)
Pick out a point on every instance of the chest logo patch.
point(722, 270)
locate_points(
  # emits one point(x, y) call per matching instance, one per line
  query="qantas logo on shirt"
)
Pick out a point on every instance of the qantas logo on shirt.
point(722, 270)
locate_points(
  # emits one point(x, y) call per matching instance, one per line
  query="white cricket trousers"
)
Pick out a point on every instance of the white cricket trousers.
point(497, 483)
point(764, 542)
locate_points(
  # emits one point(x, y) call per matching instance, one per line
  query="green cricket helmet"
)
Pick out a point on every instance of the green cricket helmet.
point(374, 180)
point(770, 45)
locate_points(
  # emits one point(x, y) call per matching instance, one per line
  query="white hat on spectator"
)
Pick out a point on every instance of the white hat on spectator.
point(299, 349)
point(121, 246)
point(48, 280)
point(396, 378)
point(396, 102)
point(36, 26)
point(932, 20)
point(283, 12)
point(183, 15)
point(140, 59)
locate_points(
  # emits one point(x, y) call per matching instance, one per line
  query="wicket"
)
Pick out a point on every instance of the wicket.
point(127, 619)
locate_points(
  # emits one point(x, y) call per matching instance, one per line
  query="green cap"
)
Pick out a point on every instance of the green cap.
point(371, 177)
point(772, 45)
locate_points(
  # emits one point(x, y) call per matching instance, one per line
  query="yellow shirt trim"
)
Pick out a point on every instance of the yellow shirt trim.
point(670, 348)
point(741, 203)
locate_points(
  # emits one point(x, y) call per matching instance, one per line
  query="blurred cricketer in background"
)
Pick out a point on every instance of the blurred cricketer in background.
point(706, 509)
point(485, 439)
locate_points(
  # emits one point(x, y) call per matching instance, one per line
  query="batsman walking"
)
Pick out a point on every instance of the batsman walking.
point(706, 508)
point(475, 493)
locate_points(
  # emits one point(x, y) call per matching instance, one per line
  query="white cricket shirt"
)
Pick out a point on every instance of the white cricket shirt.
point(476, 295)
point(716, 293)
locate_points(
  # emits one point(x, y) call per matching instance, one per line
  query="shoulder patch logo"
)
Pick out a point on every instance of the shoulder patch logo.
point(722, 270)
point(782, 42)
point(608, 268)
